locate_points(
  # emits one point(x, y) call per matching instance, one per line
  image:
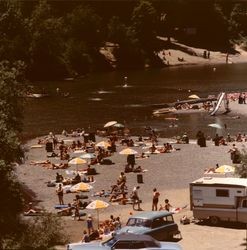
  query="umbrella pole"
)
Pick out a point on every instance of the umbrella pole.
point(98, 217)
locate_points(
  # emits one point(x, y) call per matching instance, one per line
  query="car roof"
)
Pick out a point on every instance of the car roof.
point(134, 237)
point(151, 215)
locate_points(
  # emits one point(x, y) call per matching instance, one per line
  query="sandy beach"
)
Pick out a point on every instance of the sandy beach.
point(170, 173)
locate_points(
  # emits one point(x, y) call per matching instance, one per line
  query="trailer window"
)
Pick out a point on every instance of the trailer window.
point(222, 192)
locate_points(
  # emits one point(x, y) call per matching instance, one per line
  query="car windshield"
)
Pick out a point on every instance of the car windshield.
point(138, 222)
point(131, 244)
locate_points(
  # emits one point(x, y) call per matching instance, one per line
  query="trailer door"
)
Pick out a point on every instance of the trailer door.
point(242, 211)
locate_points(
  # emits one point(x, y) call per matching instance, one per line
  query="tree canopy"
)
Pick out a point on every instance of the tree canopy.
point(59, 39)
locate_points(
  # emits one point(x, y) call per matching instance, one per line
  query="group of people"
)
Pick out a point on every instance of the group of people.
point(167, 206)
point(105, 228)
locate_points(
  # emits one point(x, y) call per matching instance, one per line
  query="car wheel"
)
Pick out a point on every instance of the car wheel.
point(214, 220)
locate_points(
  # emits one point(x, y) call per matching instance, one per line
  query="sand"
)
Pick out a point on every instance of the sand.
point(170, 173)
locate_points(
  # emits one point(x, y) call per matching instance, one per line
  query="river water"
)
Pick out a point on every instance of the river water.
point(101, 97)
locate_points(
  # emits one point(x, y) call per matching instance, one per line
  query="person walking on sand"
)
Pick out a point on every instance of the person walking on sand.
point(156, 195)
point(135, 198)
point(59, 192)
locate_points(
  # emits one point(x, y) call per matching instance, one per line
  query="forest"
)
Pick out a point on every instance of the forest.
point(58, 39)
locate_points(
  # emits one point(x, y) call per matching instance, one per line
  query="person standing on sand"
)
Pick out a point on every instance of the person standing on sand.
point(59, 192)
point(156, 195)
point(135, 198)
point(89, 224)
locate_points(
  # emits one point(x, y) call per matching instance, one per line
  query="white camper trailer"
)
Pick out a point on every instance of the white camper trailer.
point(219, 199)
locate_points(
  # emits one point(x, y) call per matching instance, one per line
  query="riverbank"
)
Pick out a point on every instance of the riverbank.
point(187, 55)
point(178, 54)
point(170, 173)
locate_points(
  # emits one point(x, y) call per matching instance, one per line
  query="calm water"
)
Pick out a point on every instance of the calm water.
point(101, 97)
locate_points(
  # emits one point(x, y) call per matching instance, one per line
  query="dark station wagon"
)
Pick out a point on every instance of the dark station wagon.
point(159, 224)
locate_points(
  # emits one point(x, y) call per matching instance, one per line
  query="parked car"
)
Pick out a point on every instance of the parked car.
point(126, 241)
point(159, 224)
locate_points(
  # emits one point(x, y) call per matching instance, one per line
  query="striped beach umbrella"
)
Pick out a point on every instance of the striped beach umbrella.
point(128, 151)
point(97, 204)
point(77, 161)
point(81, 187)
point(103, 144)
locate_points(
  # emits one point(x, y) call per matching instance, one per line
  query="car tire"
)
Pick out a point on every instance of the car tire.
point(214, 220)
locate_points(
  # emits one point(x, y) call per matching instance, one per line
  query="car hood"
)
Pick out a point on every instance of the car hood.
point(79, 245)
point(134, 230)
point(170, 246)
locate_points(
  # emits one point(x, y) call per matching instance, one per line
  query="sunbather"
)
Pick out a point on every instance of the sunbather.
point(32, 211)
point(66, 211)
point(40, 162)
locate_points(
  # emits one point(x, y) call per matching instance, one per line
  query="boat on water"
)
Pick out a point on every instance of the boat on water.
point(163, 111)
point(37, 95)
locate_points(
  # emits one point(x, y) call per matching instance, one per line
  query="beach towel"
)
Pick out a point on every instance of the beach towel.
point(37, 146)
point(61, 206)
point(81, 213)
point(176, 210)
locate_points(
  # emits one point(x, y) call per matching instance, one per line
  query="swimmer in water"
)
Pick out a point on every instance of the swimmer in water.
point(125, 82)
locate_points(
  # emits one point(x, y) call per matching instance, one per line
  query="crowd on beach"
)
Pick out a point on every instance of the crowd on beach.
point(64, 148)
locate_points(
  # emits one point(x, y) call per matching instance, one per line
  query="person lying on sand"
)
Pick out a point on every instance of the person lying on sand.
point(40, 162)
point(118, 197)
point(142, 156)
point(102, 193)
point(66, 211)
point(56, 166)
point(33, 211)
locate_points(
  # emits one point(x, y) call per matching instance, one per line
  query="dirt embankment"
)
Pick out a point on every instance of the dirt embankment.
point(179, 54)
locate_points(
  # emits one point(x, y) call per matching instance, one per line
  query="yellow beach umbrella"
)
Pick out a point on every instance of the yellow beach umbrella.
point(77, 161)
point(225, 169)
point(128, 151)
point(97, 204)
point(81, 187)
point(103, 144)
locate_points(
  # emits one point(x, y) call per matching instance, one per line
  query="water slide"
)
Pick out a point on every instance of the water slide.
point(219, 101)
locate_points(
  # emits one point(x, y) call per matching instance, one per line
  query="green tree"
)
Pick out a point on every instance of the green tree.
point(78, 58)
point(238, 20)
point(14, 37)
point(83, 24)
point(11, 92)
point(145, 23)
point(47, 46)
point(117, 30)
point(12, 89)
point(83, 38)
point(42, 233)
